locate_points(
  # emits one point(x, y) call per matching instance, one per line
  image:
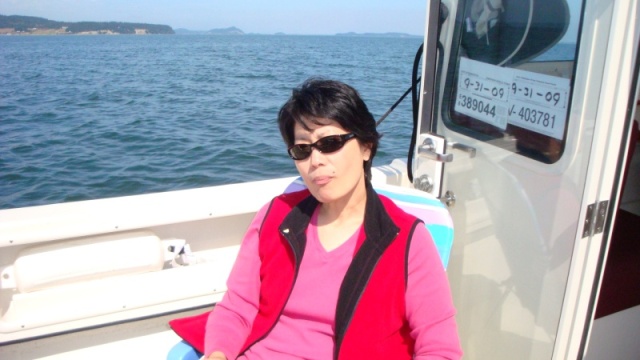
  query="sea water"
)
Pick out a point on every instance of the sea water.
point(88, 117)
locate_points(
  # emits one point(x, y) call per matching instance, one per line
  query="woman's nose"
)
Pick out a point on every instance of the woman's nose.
point(316, 157)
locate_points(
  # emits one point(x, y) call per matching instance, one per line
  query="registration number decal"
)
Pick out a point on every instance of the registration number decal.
point(501, 96)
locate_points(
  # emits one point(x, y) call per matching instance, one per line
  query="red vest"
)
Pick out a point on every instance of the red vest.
point(370, 318)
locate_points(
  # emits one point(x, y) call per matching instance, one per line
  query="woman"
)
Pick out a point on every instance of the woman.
point(335, 271)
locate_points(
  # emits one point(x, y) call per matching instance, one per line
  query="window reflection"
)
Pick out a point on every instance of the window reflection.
point(510, 74)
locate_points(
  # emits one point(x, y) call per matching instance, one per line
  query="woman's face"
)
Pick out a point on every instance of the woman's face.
point(331, 176)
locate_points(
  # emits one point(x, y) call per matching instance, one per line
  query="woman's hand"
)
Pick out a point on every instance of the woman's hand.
point(216, 355)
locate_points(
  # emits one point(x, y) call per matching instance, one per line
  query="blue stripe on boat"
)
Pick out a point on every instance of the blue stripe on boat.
point(443, 238)
point(408, 198)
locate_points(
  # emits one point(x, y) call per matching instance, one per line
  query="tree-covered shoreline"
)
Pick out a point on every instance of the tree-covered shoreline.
point(17, 24)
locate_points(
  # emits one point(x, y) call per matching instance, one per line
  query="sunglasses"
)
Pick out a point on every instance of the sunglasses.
point(327, 144)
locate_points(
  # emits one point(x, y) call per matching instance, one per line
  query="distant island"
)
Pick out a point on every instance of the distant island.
point(226, 31)
point(30, 25)
point(235, 31)
point(387, 34)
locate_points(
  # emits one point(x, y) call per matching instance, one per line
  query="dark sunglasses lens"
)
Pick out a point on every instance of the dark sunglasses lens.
point(300, 152)
point(330, 144)
point(327, 144)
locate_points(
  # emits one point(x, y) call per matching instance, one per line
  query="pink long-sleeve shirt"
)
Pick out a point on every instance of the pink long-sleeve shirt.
point(306, 327)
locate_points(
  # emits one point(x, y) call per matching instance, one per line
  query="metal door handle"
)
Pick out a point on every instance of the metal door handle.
point(428, 150)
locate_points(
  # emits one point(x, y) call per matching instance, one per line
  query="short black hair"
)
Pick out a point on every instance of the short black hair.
point(317, 99)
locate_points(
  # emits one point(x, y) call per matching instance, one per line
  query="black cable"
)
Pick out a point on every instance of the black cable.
point(415, 103)
point(444, 14)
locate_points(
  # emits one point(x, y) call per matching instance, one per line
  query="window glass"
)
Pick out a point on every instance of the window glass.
point(510, 74)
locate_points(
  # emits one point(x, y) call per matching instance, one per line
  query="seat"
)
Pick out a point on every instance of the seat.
point(420, 204)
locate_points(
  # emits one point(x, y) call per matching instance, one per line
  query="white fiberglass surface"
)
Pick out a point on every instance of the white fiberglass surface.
point(69, 266)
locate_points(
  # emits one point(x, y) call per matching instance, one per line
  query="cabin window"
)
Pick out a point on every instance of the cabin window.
point(509, 79)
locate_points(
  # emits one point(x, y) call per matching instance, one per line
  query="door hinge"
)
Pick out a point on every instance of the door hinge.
point(596, 216)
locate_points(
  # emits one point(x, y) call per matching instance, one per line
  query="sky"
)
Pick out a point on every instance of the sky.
point(321, 17)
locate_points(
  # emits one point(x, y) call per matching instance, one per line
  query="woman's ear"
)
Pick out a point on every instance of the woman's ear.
point(366, 151)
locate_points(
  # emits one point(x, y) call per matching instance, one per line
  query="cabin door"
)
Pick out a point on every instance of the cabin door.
point(522, 118)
